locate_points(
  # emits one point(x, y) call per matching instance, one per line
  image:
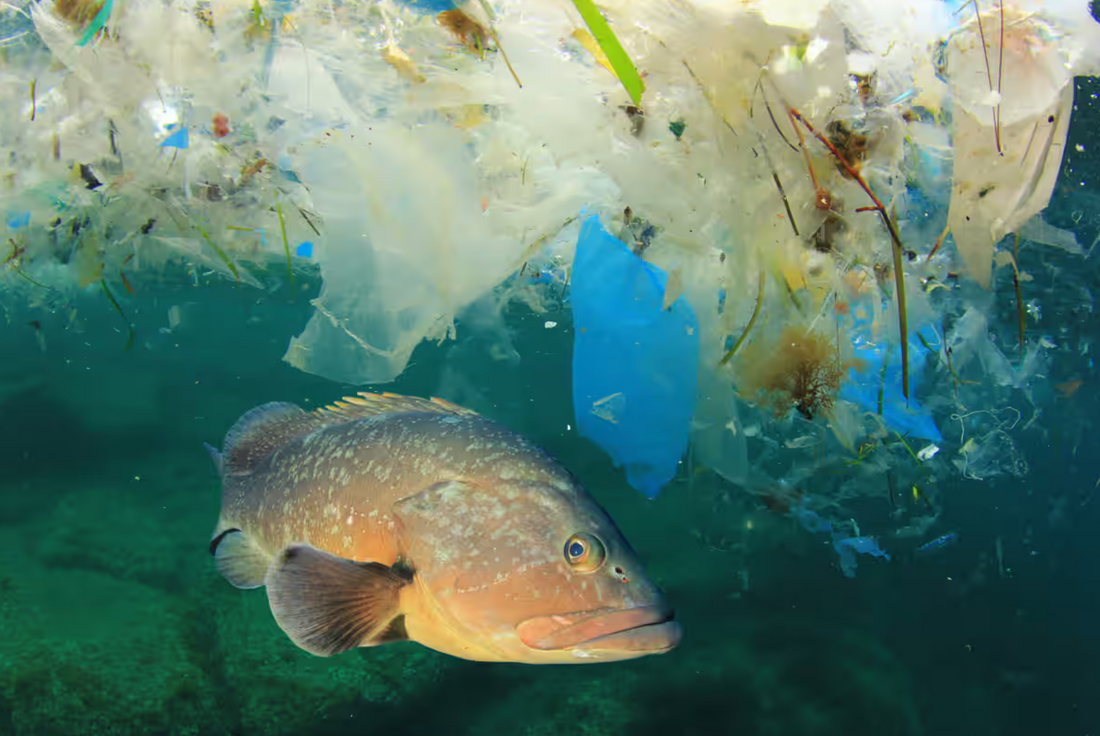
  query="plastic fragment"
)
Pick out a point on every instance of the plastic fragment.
point(178, 139)
point(846, 547)
point(634, 364)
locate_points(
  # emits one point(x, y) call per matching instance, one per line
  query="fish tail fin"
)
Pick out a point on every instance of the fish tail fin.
point(261, 431)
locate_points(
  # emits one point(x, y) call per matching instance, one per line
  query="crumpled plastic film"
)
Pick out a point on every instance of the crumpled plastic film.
point(406, 248)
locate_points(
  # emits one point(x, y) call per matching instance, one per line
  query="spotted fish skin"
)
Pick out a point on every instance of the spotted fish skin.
point(335, 487)
point(389, 517)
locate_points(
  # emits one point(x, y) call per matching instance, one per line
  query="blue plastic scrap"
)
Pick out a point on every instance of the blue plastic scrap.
point(179, 137)
point(428, 6)
point(862, 387)
point(17, 220)
point(635, 365)
point(846, 547)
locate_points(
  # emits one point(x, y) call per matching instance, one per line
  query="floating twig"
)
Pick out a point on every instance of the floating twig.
point(706, 95)
point(775, 123)
point(939, 242)
point(752, 320)
point(1021, 321)
point(122, 275)
point(989, 71)
point(286, 244)
point(775, 178)
point(118, 308)
point(492, 32)
point(221, 253)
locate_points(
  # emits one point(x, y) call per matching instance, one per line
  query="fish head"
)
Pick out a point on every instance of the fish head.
point(528, 572)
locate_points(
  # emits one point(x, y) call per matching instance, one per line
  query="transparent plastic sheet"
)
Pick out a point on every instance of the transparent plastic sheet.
point(398, 265)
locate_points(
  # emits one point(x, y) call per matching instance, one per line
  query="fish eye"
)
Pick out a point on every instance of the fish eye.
point(585, 553)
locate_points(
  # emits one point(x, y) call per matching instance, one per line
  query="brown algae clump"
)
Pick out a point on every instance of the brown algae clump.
point(801, 369)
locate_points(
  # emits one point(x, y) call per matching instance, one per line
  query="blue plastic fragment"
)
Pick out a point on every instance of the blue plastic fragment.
point(428, 6)
point(17, 220)
point(304, 249)
point(862, 386)
point(97, 23)
point(846, 547)
point(635, 364)
point(178, 139)
point(937, 544)
point(811, 521)
point(849, 547)
point(284, 167)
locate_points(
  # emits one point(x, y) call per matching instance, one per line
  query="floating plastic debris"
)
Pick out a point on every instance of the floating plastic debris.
point(634, 363)
point(830, 189)
point(938, 543)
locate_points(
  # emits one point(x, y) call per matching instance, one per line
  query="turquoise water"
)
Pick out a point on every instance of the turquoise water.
point(116, 622)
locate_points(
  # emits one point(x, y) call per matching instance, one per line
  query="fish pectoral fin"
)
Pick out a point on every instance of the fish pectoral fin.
point(328, 604)
point(241, 563)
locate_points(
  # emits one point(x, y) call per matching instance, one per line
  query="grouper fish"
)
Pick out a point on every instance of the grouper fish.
point(383, 517)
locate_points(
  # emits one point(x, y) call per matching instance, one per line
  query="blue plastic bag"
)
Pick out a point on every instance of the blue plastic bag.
point(862, 387)
point(635, 365)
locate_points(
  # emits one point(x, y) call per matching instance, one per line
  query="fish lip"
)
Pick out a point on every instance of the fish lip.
point(642, 629)
point(655, 638)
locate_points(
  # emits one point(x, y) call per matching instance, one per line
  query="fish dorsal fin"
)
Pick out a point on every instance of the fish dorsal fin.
point(369, 405)
point(261, 431)
point(328, 604)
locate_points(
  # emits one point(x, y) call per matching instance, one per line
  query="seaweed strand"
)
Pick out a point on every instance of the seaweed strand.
point(752, 321)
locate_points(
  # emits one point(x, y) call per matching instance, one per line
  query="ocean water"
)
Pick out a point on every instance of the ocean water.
point(113, 619)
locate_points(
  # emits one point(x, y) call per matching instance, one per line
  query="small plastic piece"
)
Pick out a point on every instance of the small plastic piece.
point(846, 547)
point(635, 365)
point(179, 138)
point(863, 386)
point(428, 6)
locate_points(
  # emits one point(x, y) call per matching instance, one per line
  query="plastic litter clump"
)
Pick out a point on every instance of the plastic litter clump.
point(847, 547)
point(840, 173)
point(634, 362)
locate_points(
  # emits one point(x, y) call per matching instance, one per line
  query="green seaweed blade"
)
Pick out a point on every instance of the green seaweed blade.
point(616, 55)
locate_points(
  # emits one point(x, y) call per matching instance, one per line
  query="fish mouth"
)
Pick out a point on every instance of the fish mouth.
point(639, 630)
